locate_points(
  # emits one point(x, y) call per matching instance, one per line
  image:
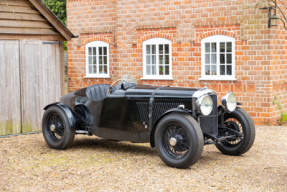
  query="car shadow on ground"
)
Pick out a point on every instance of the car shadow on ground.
point(99, 144)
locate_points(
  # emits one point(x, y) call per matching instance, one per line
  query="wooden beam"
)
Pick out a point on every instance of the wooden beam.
point(57, 37)
point(62, 69)
point(18, 9)
point(16, 2)
point(21, 16)
point(31, 31)
point(25, 24)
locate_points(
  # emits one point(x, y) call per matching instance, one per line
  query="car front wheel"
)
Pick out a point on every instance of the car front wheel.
point(179, 140)
point(240, 121)
point(56, 129)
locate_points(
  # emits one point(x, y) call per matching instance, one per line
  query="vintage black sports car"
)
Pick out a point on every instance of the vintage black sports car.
point(177, 121)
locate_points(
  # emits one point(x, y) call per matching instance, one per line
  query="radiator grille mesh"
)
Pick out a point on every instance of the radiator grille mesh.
point(158, 109)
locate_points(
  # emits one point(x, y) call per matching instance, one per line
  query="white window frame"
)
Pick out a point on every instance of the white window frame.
point(97, 44)
point(157, 41)
point(217, 39)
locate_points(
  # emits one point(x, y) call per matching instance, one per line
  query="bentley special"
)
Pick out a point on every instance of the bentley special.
point(177, 121)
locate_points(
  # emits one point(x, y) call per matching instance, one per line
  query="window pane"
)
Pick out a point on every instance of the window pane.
point(153, 70)
point(166, 70)
point(207, 58)
point(147, 49)
point(222, 58)
point(94, 51)
point(153, 49)
point(166, 48)
point(105, 50)
point(95, 69)
point(153, 57)
point(95, 60)
point(105, 70)
point(160, 59)
point(148, 70)
point(207, 47)
point(105, 60)
point(213, 58)
point(222, 69)
point(100, 51)
point(166, 59)
point(90, 59)
point(100, 60)
point(228, 47)
point(100, 69)
point(90, 69)
point(160, 49)
point(90, 51)
point(147, 59)
point(213, 47)
point(213, 70)
point(222, 47)
point(160, 70)
point(229, 70)
point(229, 58)
point(207, 69)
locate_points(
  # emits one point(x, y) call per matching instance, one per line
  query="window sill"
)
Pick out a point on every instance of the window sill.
point(97, 76)
point(217, 79)
point(158, 77)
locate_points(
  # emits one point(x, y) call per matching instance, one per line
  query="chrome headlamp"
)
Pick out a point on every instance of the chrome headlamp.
point(204, 104)
point(229, 101)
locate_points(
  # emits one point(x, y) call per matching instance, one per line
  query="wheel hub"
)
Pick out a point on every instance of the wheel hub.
point(172, 141)
point(52, 127)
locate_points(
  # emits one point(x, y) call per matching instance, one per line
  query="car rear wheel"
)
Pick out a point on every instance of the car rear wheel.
point(238, 120)
point(56, 129)
point(179, 140)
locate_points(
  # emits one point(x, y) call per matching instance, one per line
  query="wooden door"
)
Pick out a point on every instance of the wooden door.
point(40, 81)
point(10, 106)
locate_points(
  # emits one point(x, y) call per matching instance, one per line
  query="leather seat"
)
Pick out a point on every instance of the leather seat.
point(97, 92)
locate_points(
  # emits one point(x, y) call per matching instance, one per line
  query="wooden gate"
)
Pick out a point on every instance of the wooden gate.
point(10, 105)
point(30, 79)
point(40, 81)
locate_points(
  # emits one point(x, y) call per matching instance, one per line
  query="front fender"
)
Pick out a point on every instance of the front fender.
point(68, 112)
point(173, 110)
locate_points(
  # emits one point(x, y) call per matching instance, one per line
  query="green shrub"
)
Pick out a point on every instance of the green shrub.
point(283, 116)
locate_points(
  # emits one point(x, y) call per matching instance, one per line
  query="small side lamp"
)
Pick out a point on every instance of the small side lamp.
point(273, 20)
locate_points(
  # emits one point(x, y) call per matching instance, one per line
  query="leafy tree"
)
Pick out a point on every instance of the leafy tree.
point(58, 7)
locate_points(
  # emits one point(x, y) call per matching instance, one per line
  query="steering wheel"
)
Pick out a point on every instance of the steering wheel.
point(113, 84)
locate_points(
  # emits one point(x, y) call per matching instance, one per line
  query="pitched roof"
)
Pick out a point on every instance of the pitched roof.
point(53, 19)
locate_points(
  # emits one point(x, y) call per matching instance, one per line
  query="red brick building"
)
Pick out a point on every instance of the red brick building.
point(181, 43)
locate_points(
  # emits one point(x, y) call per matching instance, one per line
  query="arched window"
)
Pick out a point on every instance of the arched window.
point(157, 59)
point(218, 58)
point(97, 59)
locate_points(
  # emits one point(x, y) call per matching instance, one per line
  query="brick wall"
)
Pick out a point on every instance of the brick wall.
point(125, 24)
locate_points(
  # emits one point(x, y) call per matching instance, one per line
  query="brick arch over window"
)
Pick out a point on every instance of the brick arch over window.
point(216, 32)
point(91, 39)
point(156, 35)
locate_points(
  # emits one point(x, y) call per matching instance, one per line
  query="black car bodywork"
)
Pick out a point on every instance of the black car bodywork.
point(132, 112)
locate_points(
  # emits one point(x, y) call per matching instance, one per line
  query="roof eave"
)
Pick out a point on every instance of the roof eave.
point(53, 19)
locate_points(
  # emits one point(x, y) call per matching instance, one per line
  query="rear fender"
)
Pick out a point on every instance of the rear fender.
point(68, 112)
point(174, 110)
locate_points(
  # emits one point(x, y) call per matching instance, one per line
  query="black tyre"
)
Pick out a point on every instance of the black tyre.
point(56, 129)
point(240, 121)
point(179, 140)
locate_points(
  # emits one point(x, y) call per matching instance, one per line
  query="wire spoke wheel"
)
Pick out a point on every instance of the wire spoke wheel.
point(55, 127)
point(175, 141)
point(234, 124)
point(238, 120)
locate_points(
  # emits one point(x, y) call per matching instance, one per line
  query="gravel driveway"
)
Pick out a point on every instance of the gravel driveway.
point(92, 164)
